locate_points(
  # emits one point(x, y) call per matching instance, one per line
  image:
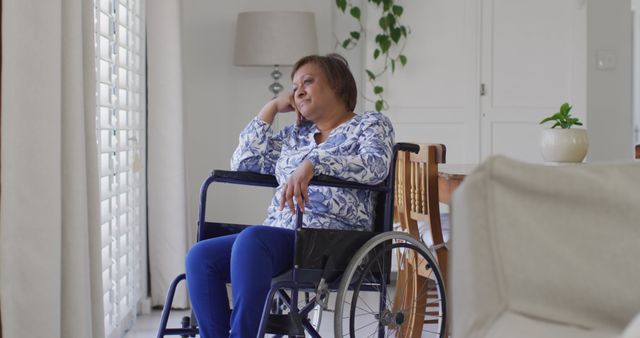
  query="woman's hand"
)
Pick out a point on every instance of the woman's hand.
point(297, 187)
point(281, 104)
point(284, 103)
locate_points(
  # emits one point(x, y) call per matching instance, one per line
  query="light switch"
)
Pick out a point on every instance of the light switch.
point(606, 60)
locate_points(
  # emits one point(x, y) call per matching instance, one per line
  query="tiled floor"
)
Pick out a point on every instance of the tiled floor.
point(147, 325)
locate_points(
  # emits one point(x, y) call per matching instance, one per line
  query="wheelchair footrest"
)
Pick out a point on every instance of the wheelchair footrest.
point(285, 324)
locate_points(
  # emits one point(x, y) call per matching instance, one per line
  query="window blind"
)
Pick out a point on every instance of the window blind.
point(121, 130)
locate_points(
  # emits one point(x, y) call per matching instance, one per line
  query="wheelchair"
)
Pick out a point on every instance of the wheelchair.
point(382, 283)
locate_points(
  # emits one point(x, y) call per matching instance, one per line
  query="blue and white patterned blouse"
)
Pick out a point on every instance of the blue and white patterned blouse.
point(358, 150)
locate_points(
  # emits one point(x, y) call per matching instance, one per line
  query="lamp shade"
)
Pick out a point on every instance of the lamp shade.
point(274, 38)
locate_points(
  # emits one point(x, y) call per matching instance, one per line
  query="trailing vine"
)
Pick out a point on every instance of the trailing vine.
point(390, 40)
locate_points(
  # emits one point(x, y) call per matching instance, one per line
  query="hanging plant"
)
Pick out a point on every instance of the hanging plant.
point(390, 40)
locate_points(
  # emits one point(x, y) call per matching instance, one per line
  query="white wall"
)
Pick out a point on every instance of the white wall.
point(609, 114)
point(635, 7)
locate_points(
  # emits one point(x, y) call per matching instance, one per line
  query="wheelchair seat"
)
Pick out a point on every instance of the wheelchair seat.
point(357, 265)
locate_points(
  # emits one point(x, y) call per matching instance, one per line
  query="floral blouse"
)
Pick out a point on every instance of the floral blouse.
point(358, 150)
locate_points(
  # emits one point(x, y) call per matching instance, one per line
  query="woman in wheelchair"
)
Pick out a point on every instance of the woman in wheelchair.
point(327, 138)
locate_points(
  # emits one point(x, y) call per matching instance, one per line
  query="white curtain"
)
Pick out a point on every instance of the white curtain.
point(166, 170)
point(50, 266)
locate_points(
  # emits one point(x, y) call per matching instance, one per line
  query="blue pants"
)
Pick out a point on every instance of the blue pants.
point(248, 261)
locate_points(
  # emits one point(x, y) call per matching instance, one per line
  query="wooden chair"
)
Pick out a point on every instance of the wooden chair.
point(637, 151)
point(416, 199)
point(417, 195)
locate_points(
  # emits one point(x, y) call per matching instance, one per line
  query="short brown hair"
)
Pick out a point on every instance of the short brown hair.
point(336, 69)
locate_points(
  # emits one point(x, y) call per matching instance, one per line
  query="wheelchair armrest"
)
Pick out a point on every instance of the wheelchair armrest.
point(250, 178)
point(243, 177)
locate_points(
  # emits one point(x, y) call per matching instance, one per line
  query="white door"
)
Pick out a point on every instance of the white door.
point(435, 98)
point(532, 60)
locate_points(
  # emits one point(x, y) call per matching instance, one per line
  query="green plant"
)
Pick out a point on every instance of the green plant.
point(562, 118)
point(390, 40)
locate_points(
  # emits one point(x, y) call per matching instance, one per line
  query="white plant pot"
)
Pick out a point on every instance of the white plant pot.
point(564, 145)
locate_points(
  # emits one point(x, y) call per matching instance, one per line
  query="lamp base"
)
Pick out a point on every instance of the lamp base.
point(276, 87)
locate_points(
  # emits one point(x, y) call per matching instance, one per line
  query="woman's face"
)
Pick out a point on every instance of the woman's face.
point(312, 94)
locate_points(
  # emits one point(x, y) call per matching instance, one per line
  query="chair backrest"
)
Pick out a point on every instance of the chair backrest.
point(417, 194)
point(555, 244)
point(637, 151)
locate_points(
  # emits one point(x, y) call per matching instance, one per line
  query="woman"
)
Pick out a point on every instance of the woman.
point(328, 138)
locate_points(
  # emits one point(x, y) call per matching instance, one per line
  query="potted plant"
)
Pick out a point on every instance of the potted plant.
point(564, 144)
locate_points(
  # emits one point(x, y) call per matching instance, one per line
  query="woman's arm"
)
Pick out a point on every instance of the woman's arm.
point(259, 147)
point(371, 164)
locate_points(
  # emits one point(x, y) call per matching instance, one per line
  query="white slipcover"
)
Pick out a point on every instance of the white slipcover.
point(542, 251)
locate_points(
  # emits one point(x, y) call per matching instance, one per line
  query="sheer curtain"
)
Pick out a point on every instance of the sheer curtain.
point(50, 263)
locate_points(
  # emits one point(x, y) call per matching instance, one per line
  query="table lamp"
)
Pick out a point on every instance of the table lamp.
point(274, 39)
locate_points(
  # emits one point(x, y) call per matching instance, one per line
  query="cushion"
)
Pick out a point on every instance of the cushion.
point(559, 244)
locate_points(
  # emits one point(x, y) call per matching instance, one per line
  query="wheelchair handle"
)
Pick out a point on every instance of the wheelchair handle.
point(403, 146)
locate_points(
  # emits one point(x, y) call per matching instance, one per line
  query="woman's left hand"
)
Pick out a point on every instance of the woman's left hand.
point(297, 187)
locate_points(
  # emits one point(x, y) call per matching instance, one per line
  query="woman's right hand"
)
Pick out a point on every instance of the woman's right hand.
point(281, 104)
point(284, 103)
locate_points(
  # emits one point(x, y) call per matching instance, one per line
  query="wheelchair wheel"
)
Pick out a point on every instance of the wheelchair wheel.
point(392, 287)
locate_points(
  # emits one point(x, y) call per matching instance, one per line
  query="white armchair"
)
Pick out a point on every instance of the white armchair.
point(541, 251)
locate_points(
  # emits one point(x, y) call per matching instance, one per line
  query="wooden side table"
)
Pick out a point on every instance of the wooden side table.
point(449, 178)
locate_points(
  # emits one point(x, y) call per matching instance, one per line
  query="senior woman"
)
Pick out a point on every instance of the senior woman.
point(327, 138)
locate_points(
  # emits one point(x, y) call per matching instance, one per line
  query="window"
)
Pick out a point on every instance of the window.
point(121, 112)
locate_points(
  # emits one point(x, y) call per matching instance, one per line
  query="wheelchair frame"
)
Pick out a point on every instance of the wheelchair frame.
point(316, 267)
